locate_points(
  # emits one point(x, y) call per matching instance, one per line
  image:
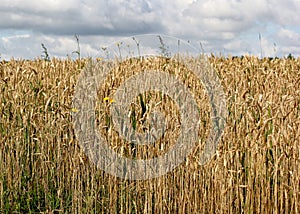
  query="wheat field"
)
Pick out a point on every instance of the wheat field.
point(256, 168)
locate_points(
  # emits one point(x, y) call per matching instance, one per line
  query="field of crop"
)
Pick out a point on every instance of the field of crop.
point(256, 168)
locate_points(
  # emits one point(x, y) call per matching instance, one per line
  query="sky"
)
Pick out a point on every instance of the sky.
point(265, 28)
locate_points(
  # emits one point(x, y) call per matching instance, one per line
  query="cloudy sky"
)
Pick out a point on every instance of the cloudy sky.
point(221, 26)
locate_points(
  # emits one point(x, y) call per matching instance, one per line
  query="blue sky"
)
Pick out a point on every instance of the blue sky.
point(223, 27)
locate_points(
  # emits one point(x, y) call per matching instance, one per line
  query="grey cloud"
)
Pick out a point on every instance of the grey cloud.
point(221, 26)
point(87, 18)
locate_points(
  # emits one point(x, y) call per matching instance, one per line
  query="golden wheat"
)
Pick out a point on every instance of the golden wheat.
point(256, 168)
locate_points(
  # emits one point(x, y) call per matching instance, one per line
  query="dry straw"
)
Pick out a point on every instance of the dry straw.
point(256, 168)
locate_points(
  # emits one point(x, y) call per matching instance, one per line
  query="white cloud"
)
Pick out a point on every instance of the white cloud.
point(8, 39)
point(82, 17)
point(286, 12)
point(221, 26)
point(289, 37)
